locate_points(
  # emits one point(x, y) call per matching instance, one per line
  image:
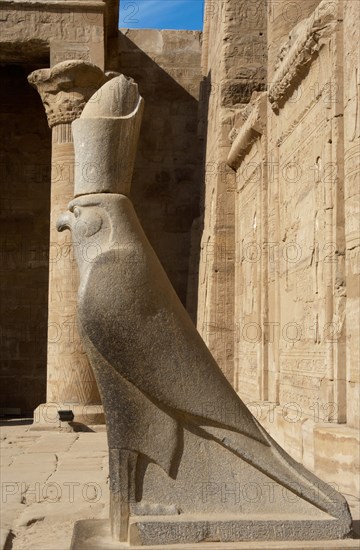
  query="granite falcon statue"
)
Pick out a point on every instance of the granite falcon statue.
point(155, 374)
point(177, 431)
point(133, 321)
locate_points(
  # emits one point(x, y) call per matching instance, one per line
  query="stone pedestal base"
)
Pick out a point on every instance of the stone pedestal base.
point(46, 416)
point(95, 534)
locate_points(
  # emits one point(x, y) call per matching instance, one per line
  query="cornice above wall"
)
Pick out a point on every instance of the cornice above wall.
point(305, 40)
point(60, 29)
point(253, 127)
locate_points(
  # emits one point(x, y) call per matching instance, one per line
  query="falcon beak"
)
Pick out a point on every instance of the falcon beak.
point(64, 221)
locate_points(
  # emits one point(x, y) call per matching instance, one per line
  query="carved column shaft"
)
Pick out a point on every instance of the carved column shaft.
point(69, 378)
point(71, 385)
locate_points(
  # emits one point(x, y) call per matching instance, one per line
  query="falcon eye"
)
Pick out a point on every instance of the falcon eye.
point(90, 222)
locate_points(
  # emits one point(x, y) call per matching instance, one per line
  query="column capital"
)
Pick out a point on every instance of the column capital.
point(66, 88)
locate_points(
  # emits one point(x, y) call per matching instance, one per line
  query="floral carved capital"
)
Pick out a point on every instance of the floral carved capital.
point(66, 88)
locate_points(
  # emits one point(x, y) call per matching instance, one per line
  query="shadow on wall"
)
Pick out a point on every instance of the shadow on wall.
point(167, 178)
point(25, 164)
point(198, 223)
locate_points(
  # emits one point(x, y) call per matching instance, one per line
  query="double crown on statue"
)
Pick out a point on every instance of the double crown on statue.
point(105, 138)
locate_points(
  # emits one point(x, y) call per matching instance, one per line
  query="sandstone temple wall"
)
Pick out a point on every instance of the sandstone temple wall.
point(233, 67)
point(293, 286)
point(167, 179)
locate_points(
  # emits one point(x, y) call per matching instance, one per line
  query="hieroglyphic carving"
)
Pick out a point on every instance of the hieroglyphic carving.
point(300, 381)
point(254, 118)
point(68, 21)
point(305, 41)
point(61, 51)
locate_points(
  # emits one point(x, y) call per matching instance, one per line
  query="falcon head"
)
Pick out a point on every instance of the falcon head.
point(93, 220)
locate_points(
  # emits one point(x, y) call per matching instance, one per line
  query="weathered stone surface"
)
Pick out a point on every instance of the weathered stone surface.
point(352, 208)
point(106, 137)
point(66, 88)
point(65, 30)
point(247, 155)
point(95, 535)
point(283, 16)
point(295, 335)
point(50, 484)
point(311, 287)
point(253, 125)
point(234, 65)
point(305, 40)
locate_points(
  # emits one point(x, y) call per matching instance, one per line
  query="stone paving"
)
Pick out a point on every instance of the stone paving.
point(48, 481)
point(51, 479)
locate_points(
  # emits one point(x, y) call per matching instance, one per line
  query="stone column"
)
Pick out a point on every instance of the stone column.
point(65, 90)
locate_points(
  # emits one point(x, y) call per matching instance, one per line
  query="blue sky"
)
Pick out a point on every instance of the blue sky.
point(161, 14)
